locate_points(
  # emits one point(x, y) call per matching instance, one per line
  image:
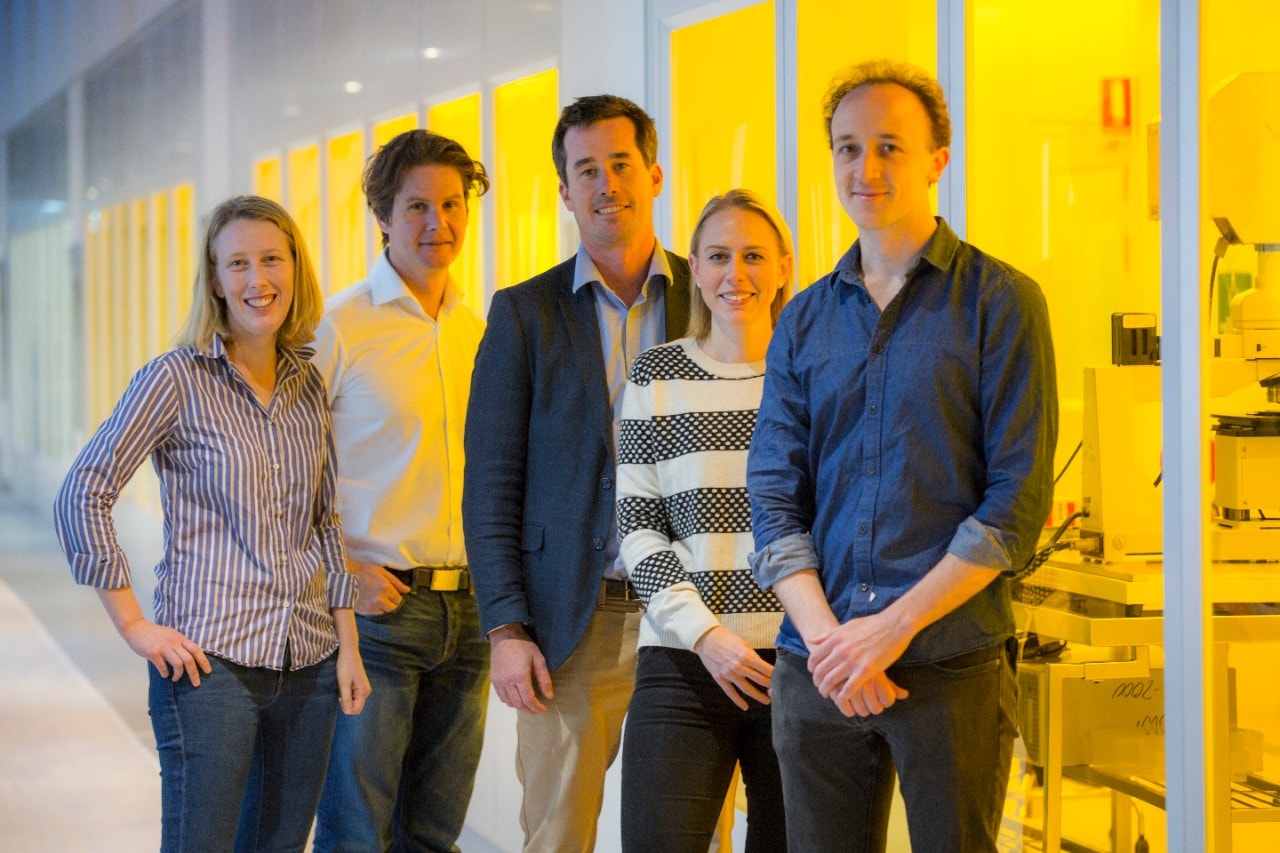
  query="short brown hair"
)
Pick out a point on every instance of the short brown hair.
point(208, 313)
point(915, 80)
point(593, 108)
point(699, 314)
point(385, 172)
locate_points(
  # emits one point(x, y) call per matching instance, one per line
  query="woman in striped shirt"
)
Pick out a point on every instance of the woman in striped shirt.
point(252, 596)
point(701, 702)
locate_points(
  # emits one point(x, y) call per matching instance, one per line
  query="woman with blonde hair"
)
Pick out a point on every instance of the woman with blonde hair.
point(253, 644)
point(701, 702)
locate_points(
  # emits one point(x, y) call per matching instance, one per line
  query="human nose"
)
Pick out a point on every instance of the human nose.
point(868, 166)
point(433, 219)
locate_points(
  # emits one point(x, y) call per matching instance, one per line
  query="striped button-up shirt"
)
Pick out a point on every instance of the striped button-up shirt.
point(253, 556)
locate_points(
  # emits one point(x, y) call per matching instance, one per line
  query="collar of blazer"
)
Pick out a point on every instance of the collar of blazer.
point(584, 336)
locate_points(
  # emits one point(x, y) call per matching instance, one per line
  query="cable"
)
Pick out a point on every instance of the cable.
point(1067, 464)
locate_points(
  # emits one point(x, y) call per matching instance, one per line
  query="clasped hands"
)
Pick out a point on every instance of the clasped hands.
point(848, 663)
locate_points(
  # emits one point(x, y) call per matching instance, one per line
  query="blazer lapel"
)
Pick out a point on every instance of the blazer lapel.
point(584, 336)
point(677, 300)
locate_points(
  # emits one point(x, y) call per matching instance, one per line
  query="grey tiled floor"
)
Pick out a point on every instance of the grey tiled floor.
point(78, 770)
point(77, 767)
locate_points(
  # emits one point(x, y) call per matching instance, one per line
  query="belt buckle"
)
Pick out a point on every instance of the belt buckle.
point(445, 580)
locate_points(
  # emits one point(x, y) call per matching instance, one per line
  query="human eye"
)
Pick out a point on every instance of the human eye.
point(887, 148)
point(755, 257)
point(718, 256)
point(237, 263)
point(589, 172)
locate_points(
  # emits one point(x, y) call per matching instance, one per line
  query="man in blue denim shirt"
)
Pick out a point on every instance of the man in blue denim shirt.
point(901, 469)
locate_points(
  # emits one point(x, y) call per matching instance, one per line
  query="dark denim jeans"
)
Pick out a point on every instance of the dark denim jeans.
point(242, 756)
point(951, 742)
point(401, 773)
point(682, 739)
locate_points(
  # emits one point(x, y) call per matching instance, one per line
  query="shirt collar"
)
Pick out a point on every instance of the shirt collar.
point(386, 285)
point(938, 252)
point(290, 359)
point(585, 270)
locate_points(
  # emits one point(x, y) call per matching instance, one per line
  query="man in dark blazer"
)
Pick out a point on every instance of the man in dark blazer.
point(538, 495)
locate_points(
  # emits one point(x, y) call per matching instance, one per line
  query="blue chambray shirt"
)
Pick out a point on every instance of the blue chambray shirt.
point(885, 440)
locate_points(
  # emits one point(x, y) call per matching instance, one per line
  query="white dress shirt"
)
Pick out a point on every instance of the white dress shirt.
point(398, 384)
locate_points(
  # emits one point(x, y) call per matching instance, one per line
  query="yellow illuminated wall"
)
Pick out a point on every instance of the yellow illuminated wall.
point(1240, 36)
point(184, 250)
point(526, 193)
point(459, 120)
point(267, 180)
point(385, 131)
point(832, 35)
point(159, 278)
point(1056, 186)
point(96, 352)
point(723, 115)
point(302, 198)
point(344, 247)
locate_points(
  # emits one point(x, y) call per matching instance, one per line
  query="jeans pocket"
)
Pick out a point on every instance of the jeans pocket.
point(383, 617)
point(970, 663)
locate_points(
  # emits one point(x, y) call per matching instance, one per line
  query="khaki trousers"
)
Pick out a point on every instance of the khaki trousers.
point(562, 755)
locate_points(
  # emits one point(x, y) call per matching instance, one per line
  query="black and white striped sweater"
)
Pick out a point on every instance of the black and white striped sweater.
point(683, 512)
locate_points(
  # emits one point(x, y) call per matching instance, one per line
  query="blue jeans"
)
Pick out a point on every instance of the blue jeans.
point(950, 741)
point(401, 773)
point(242, 756)
point(682, 740)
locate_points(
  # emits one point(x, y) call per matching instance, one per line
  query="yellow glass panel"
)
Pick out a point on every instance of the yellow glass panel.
point(526, 188)
point(385, 131)
point(830, 36)
point(303, 197)
point(95, 356)
point(141, 315)
point(184, 250)
point(159, 279)
point(1240, 124)
point(118, 291)
point(722, 113)
point(347, 224)
point(459, 120)
point(267, 181)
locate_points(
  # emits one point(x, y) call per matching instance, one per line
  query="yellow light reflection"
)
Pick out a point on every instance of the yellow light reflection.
point(184, 249)
point(832, 35)
point(385, 131)
point(526, 194)
point(722, 113)
point(303, 198)
point(345, 243)
point(459, 120)
point(267, 180)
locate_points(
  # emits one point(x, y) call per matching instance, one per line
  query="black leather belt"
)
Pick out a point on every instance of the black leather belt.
point(617, 590)
point(434, 578)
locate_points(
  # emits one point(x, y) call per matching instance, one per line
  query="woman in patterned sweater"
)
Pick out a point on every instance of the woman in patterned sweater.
point(701, 702)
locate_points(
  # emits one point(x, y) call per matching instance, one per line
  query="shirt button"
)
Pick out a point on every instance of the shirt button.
point(877, 349)
point(606, 483)
point(864, 587)
point(862, 528)
point(275, 466)
point(598, 543)
point(873, 410)
point(871, 469)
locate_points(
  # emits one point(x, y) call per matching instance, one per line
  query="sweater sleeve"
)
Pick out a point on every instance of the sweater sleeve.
point(672, 602)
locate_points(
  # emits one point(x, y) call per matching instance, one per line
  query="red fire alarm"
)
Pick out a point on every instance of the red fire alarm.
point(1116, 107)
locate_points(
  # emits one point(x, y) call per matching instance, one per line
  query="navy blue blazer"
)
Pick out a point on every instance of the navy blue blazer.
point(538, 489)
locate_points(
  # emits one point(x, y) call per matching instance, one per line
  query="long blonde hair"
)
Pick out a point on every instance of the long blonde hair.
point(699, 314)
point(209, 310)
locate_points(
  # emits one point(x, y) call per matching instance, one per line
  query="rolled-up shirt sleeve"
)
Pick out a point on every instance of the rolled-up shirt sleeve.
point(1019, 400)
point(82, 511)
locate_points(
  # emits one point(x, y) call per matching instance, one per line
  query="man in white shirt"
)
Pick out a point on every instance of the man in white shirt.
point(397, 351)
